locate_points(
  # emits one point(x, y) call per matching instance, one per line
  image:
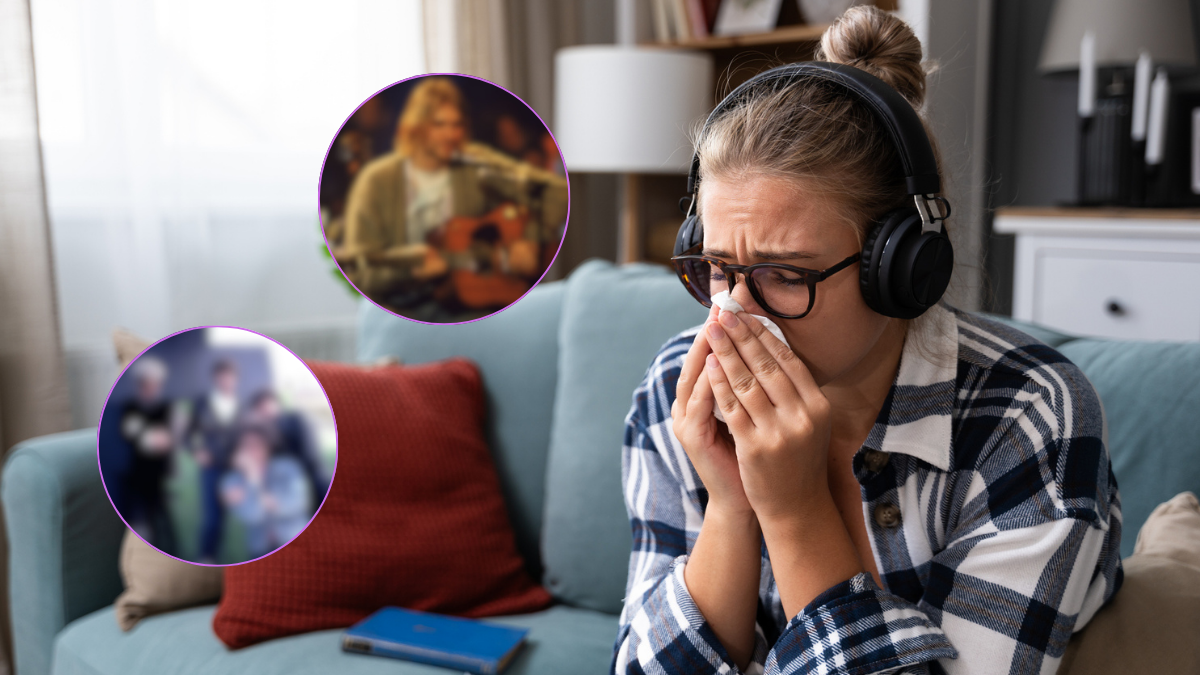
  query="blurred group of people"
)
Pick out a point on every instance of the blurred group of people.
point(256, 461)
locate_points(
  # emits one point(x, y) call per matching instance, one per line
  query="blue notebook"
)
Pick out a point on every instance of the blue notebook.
point(462, 644)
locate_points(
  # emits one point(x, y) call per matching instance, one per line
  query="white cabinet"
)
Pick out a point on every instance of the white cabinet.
point(1128, 274)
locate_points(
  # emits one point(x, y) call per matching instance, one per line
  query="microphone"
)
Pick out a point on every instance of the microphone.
point(484, 157)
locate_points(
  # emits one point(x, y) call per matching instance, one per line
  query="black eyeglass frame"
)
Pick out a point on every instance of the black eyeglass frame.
point(811, 277)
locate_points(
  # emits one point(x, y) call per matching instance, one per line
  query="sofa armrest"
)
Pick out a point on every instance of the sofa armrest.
point(64, 540)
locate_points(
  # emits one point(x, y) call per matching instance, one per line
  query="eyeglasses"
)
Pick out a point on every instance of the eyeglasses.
point(782, 290)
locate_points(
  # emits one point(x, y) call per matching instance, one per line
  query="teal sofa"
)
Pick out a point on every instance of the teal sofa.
point(559, 368)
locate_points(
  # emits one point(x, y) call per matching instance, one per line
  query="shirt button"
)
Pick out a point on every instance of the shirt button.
point(887, 515)
point(875, 460)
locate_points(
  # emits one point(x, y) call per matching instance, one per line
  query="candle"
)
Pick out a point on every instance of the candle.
point(1087, 75)
point(1141, 96)
point(1156, 131)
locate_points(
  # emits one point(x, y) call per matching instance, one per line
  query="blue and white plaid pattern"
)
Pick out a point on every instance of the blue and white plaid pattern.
point(1008, 541)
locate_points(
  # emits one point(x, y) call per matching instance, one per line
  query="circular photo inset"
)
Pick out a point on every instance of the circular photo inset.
point(443, 198)
point(217, 445)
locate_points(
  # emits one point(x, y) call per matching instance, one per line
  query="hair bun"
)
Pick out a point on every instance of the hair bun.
point(869, 38)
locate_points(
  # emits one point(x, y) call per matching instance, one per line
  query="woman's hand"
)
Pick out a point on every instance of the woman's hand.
point(722, 572)
point(780, 422)
point(777, 415)
point(707, 443)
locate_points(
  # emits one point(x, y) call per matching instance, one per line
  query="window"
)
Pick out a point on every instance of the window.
point(183, 140)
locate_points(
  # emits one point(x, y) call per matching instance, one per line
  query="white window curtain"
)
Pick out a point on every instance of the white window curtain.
point(183, 143)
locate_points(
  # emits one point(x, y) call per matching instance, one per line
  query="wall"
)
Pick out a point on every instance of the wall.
point(957, 36)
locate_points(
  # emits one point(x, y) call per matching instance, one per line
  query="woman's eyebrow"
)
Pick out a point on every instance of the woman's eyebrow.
point(762, 255)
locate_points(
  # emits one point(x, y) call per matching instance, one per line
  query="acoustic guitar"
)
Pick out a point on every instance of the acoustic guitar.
point(477, 251)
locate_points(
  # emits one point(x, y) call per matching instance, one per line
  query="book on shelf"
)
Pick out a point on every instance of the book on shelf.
point(683, 20)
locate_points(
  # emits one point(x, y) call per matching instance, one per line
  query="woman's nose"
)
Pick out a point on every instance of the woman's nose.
point(741, 293)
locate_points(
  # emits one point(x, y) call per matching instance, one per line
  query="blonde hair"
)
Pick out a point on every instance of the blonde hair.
point(828, 142)
point(817, 134)
point(423, 101)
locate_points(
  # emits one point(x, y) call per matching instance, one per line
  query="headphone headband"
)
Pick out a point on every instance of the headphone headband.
point(903, 124)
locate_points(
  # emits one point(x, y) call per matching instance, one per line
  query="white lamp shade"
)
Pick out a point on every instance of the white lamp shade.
point(1123, 28)
point(626, 109)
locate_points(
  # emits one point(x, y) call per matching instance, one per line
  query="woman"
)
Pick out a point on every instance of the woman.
point(885, 495)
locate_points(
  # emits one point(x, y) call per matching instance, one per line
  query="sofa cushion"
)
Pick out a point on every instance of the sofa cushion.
point(414, 516)
point(561, 640)
point(614, 321)
point(1151, 396)
point(1173, 531)
point(157, 583)
point(1150, 625)
point(516, 351)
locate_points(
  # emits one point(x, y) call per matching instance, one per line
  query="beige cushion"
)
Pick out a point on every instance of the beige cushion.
point(1172, 531)
point(1152, 625)
point(127, 345)
point(156, 583)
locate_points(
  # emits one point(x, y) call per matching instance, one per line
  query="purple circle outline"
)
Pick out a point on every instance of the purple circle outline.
point(566, 173)
point(100, 468)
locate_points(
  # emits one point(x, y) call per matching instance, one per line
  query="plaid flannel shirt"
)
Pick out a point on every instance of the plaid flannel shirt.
point(1006, 539)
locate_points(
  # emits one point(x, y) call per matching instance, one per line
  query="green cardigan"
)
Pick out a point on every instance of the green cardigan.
point(377, 208)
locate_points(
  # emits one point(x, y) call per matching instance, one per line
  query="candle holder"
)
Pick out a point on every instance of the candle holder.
point(1101, 41)
point(1105, 172)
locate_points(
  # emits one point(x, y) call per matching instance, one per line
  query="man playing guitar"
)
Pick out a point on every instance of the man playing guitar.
point(406, 208)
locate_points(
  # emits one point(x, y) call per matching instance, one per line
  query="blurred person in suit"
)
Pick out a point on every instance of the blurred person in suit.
point(146, 426)
point(268, 492)
point(399, 204)
point(293, 438)
point(215, 421)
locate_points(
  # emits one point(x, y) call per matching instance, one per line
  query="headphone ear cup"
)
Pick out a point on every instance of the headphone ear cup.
point(926, 264)
point(868, 268)
point(904, 270)
point(690, 235)
point(875, 272)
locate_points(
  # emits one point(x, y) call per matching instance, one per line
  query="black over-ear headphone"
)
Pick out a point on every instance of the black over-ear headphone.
point(906, 258)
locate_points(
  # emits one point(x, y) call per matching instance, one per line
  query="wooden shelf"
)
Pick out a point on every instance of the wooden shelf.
point(1118, 212)
point(780, 36)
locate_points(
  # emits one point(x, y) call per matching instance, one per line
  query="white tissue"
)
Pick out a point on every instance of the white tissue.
point(726, 302)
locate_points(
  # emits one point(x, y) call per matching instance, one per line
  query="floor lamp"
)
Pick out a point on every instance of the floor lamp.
point(628, 110)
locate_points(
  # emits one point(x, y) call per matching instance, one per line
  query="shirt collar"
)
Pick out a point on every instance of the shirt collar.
point(916, 418)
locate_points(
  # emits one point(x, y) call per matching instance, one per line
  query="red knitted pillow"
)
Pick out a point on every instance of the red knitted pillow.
point(414, 518)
